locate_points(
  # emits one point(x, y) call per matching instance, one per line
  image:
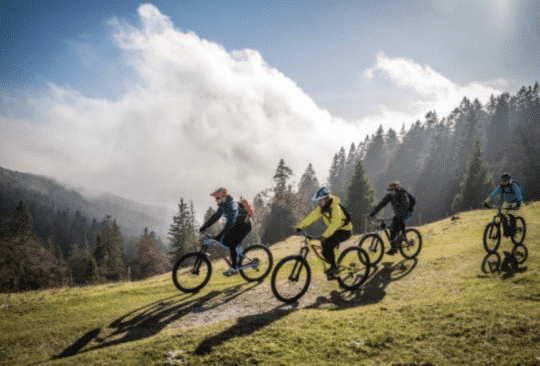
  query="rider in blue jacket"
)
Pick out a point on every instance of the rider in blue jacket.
point(236, 228)
point(512, 199)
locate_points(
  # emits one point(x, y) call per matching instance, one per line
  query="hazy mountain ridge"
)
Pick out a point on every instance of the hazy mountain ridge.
point(132, 217)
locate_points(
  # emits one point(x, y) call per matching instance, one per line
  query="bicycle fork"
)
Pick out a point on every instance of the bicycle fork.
point(295, 273)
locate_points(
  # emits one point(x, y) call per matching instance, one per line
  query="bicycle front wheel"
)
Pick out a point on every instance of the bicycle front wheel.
point(491, 263)
point(492, 237)
point(411, 246)
point(256, 263)
point(291, 279)
point(192, 272)
point(519, 234)
point(353, 265)
point(373, 245)
point(521, 253)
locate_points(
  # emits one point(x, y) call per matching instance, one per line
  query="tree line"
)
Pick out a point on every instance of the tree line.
point(96, 252)
point(449, 164)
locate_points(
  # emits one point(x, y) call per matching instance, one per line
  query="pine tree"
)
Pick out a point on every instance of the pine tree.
point(182, 232)
point(281, 219)
point(149, 259)
point(475, 184)
point(109, 254)
point(360, 198)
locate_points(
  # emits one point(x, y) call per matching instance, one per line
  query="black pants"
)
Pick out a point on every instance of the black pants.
point(397, 226)
point(509, 226)
point(234, 237)
point(331, 243)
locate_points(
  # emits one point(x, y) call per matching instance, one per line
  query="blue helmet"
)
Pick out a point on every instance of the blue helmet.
point(321, 193)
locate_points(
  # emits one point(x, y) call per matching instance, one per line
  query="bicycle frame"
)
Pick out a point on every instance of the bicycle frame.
point(209, 241)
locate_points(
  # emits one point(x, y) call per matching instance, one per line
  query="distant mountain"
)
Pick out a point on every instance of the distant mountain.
point(131, 216)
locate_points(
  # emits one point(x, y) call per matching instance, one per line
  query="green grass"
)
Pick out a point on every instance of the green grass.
point(439, 310)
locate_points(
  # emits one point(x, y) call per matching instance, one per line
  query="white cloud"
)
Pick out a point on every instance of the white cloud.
point(433, 91)
point(197, 117)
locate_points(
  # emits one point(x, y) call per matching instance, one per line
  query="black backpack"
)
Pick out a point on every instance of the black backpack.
point(511, 187)
point(347, 214)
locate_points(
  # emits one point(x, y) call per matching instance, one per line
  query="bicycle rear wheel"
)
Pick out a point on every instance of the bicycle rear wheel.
point(521, 253)
point(411, 246)
point(521, 229)
point(291, 279)
point(374, 246)
point(353, 265)
point(491, 263)
point(492, 237)
point(256, 263)
point(192, 272)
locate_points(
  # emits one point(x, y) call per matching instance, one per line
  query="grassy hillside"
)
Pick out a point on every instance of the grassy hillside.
point(437, 310)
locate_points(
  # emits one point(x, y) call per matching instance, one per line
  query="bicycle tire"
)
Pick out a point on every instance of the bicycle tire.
point(284, 287)
point(261, 265)
point(520, 252)
point(412, 246)
point(357, 268)
point(521, 229)
point(186, 272)
point(374, 246)
point(491, 263)
point(492, 237)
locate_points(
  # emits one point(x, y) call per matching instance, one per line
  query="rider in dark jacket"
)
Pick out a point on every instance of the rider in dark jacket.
point(236, 228)
point(402, 203)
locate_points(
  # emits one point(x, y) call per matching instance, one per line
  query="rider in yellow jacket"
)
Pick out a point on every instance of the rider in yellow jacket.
point(338, 229)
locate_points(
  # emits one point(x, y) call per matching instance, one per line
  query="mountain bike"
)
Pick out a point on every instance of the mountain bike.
point(292, 275)
point(492, 233)
point(408, 244)
point(193, 271)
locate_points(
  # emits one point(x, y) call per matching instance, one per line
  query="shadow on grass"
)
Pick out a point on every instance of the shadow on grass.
point(151, 319)
point(373, 291)
point(245, 325)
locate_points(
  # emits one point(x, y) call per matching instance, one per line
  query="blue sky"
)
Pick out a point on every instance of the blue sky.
point(291, 79)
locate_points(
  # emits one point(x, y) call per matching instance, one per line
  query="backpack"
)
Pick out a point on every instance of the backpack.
point(511, 187)
point(412, 201)
point(346, 213)
point(246, 207)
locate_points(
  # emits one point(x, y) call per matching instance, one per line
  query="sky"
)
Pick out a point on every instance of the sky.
point(171, 99)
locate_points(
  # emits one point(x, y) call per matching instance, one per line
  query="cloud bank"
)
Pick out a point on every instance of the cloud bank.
point(198, 117)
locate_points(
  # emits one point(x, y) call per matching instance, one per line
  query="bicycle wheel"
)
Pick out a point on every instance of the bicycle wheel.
point(291, 279)
point(374, 246)
point(521, 253)
point(353, 266)
point(192, 272)
point(256, 263)
point(491, 263)
point(519, 233)
point(492, 237)
point(411, 246)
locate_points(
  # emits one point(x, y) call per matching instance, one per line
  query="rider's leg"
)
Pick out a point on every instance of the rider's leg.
point(509, 218)
point(233, 238)
point(396, 228)
point(331, 243)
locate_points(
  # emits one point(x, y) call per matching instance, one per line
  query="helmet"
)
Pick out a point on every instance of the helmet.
point(506, 176)
point(393, 186)
point(321, 193)
point(220, 192)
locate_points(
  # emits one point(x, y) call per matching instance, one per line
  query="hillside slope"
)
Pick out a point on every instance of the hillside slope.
point(131, 216)
point(437, 310)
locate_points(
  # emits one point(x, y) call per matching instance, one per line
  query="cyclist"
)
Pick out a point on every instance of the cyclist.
point(402, 203)
point(236, 228)
point(512, 199)
point(338, 226)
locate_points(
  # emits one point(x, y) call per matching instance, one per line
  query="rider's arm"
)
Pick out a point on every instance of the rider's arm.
point(212, 220)
point(312, 218)
point(383, 203)
point(494, 194)
point(519, 195)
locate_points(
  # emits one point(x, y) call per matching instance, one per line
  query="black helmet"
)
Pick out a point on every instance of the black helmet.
point(506, 176)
